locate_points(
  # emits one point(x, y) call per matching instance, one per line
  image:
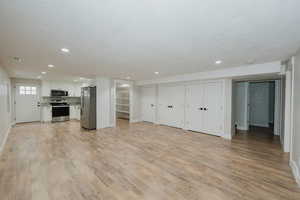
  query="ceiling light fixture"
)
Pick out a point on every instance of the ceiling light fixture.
point(81, 78)
point(124, 85)
point(44, 72)
point(156, 72)
point(128, 77)
point(39, 77)
point(51, 66)
point(218, 62)
point(65, 50)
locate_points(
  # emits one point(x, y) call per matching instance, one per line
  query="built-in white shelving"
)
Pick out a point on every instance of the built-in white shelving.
point(122, 102)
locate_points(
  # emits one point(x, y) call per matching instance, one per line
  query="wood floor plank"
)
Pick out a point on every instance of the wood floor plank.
point(141, 161)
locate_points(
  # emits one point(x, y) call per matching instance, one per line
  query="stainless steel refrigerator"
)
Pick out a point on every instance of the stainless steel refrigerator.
point(88, 107)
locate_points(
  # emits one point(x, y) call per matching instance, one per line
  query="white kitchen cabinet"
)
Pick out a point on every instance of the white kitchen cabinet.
point(75, 112)
point(204, 107)
point(46, 113)
point(171, 105)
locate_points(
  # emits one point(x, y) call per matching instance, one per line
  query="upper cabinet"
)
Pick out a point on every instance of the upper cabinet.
point(72, 88)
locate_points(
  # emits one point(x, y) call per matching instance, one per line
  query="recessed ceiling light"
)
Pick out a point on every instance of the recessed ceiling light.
point(39, 77)
point(65, 50)
point(156, 72)
point(124, 85)
point(81, 78)
point(218, 62)
point(50, 66)
point(128, 77)
point(44, 72)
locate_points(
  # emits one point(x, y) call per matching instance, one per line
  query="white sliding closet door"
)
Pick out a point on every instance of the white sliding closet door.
point(194, 107)
point(171, 105)
point(148, 104)
point(212, 108)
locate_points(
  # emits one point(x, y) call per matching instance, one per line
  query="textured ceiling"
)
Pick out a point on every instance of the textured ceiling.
point(120, 38)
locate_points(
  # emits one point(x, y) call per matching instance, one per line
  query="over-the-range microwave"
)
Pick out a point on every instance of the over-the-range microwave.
point(59, 93)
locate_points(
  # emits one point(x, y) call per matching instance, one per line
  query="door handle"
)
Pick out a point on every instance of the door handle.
point(170, 106)
point(205, 109)
point(200, 108)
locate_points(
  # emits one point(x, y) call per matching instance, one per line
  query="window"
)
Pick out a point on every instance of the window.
point(27, 90)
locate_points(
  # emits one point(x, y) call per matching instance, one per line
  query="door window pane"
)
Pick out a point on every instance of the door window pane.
point(27, 90)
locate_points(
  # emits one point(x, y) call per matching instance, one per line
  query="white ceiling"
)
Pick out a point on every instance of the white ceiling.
point(120, 38)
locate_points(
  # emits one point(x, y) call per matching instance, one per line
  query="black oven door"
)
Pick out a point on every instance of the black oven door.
point(60, 111)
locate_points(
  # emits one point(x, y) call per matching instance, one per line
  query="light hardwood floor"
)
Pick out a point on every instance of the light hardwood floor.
point(140, 161)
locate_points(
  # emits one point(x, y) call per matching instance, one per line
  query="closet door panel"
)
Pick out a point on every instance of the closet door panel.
point(148, 104)
point(194, 107)
point(212, 108)
point(171, 105)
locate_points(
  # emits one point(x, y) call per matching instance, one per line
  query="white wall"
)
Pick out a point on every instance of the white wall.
point(104, 102)
point(135, 104)
point(241, 105)
point(295, 153)
point(5, 107)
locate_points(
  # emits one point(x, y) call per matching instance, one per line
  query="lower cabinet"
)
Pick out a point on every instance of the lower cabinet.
point(75, 112)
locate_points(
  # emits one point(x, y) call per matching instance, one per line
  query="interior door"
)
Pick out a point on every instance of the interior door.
point(148, 104)
point(27, 100)
point(212, 96)
point(171, 106)
point(194, 107)
point(259, 104)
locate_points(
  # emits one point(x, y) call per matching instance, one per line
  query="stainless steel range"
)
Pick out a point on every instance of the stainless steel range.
point(60, 112)
point(60, 109)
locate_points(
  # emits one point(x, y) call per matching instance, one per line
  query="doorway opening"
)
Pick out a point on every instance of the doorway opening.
point(122, 104)
point(258, 110)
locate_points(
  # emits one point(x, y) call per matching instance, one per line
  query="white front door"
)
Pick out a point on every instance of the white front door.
point(194, 107)
point(27, 99)
point(148, 104)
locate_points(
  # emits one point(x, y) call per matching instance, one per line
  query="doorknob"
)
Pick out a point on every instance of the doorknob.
point(205, 109)
point(200, 108)
point(170, 106)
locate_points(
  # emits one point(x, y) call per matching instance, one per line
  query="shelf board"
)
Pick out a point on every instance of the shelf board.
point(123, 98)
point(123, 111)
point(122, 104)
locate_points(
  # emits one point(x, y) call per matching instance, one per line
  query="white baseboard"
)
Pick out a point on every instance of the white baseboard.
point(295, 170)
point(259, 125)
point(226, 136)
point(242, 128)
point(4, 140)
point(135, 121)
